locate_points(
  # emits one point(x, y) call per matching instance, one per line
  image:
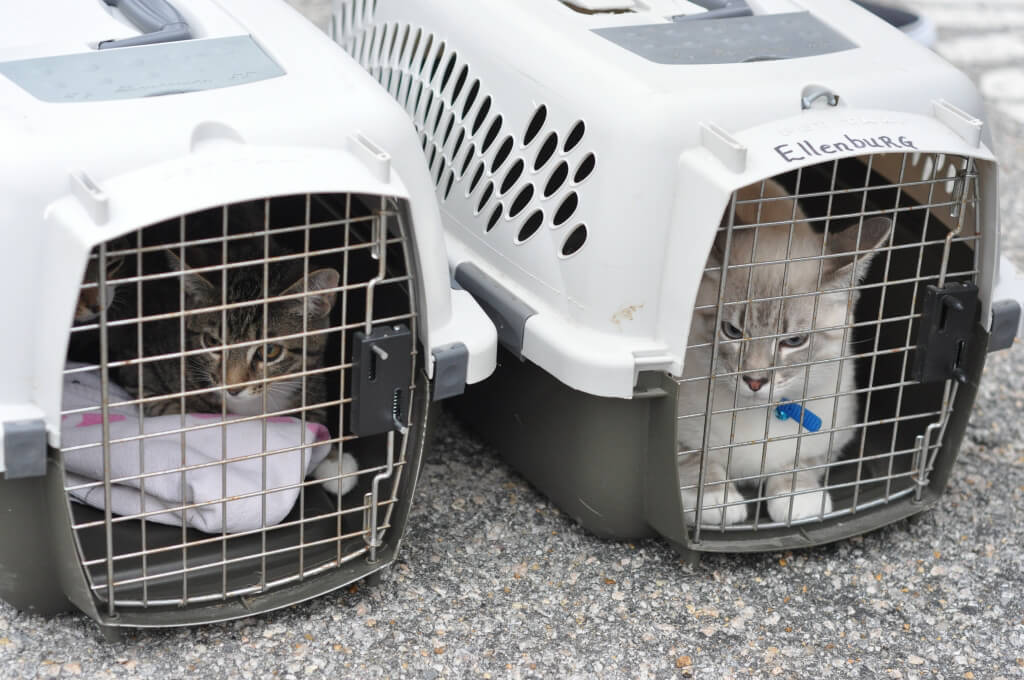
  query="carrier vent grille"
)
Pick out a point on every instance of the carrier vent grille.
point(473, 152)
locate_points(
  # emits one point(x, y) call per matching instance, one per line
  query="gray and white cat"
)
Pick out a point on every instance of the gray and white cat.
point(756, 370)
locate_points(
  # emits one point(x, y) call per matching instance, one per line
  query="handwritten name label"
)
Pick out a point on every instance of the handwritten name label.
point(800, 151)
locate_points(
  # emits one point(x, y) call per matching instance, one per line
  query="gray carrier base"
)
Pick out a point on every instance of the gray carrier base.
point(611, 463)
point(41, 572)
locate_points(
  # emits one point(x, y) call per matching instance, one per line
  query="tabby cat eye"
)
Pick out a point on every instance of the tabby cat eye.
point(273, 353)
point(210, 341)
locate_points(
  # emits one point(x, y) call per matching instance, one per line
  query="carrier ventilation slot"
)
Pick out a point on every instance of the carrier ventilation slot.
point(508, 173)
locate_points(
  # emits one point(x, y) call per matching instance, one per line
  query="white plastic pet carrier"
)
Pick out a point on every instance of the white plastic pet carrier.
point(228, 300)
point(787, 195)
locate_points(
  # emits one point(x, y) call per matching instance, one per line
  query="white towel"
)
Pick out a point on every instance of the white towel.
point(219, 445)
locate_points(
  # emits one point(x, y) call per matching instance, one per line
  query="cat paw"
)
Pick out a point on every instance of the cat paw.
point(735, 512)
point(805, 506)
point(328, 471)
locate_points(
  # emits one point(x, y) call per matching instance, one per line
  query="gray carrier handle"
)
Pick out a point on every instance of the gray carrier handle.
point(157, 19)
point(717, 9)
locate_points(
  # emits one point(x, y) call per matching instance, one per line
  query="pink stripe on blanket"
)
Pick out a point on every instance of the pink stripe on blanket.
point(89, 419)
point(319, 431)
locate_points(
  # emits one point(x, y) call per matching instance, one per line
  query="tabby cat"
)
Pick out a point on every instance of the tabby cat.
point(238, 377)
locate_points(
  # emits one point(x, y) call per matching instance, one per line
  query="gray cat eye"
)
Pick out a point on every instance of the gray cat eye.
point(730, 331)
point(795, 341)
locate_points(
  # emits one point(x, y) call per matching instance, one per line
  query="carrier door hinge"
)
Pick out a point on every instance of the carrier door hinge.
point(949, 314)
point(1005, 324)
point(382, 375)
point(451, 365)
point(22, 449)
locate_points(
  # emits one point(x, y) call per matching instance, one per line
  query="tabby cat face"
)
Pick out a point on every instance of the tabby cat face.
point(236, 356)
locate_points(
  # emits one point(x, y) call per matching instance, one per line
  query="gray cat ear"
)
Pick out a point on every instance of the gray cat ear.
point(198, 291)
point(873, 233)
point(319, 304)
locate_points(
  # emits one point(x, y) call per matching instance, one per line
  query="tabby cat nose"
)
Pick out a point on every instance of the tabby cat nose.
point(235, 391)
point(754, 383)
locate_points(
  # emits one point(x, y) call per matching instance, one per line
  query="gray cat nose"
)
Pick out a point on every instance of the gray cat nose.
point(235, 391)
point(754, 383)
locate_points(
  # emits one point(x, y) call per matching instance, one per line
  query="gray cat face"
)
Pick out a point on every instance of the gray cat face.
point(779, 313)
point(235, 355)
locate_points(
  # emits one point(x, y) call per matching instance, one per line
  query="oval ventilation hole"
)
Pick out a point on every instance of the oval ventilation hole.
point(437, 62)
point(502, 155)
point(427, 108)
point(492, 221)
point(423, 141)
point(547, 150)
point(448, 70)
point(512, 176)
point(492, 134)
point(574, 241)
point(426, 53)
point(530, 226)
point(460, 82)
point(457, 146)
point(439, 168)
point(471, 95)
point(484, 197)
point(566, 210)
point(438, 115)
point(557, 179)
point(416, 100)
point(449, 183)
point(481, 115)
point(521, 200)
point(392, 43)
point(411, 52)
point(406, 32)
point(536, 124)
point(431, 156)
point(449, 126)
point(575, 136)
point(477, 176)
point(586, 167)
point(470, 153)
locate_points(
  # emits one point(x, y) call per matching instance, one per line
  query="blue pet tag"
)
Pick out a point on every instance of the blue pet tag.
point(802, 415)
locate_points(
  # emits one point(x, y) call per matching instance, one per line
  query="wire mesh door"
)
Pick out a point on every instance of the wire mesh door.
point(209, 392)
point(801, 399)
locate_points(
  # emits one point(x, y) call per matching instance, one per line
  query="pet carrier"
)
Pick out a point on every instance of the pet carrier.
point(228, 302)
point(789, 201)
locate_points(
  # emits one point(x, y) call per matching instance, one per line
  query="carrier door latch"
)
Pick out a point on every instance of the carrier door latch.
point(382, 374)
point(949, 314)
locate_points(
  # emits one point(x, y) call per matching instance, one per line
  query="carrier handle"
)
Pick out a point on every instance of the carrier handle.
point(158, 20)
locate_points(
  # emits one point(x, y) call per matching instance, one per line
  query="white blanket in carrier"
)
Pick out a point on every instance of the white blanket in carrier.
point(218, 478)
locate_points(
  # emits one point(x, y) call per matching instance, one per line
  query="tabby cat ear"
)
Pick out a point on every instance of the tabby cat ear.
point(198, 291)
point(318, 303)
point(873, 233)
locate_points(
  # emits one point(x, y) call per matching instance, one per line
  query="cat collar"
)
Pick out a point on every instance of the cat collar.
point(801, 414)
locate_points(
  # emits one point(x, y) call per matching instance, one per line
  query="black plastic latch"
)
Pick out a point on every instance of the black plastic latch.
point(382, 373)
point(949, 314)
